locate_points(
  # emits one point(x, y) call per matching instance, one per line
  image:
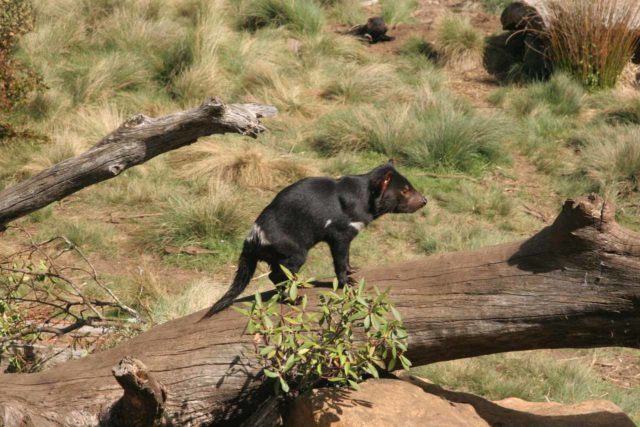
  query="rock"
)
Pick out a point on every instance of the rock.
point(501, 52)
point(416, 402)
point(521, 16)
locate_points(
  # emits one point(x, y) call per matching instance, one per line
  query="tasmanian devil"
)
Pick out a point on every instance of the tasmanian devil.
point(319, 209)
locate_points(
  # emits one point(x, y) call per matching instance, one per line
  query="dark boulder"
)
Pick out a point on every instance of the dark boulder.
point(520, 16)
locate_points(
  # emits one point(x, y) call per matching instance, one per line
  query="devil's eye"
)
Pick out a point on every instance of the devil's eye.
point(405, 190)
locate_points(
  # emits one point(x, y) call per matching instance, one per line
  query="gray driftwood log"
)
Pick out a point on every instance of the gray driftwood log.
point(137, 140)
point(576, 283)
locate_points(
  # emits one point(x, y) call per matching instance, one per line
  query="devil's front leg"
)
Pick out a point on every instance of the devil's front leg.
point(340, 247)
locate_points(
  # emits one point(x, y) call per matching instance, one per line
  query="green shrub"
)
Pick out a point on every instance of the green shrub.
point(592, 40)
point(16, 78)
point(301, 348)
point(300, 16)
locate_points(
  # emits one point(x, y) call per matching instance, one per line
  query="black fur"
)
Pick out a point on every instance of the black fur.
point(374, 31)
point(315, 210)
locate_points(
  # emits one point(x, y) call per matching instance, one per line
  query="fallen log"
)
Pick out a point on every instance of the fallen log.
point(576, 283)
point(137, 140)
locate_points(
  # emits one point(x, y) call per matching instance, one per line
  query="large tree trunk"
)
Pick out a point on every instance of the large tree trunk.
point(137, 140)
point(573, 284)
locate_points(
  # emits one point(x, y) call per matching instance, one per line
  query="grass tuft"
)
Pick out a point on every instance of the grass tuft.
point(562, 95)
point(299, 16)
point(611, 159)
point(592, 40)
point(457, 40)
point(397, 12)
point(243, 165)
point(205, 220)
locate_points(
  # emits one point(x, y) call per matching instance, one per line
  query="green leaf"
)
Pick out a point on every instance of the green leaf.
point(392, 364)
point(372, 370)
point(396, 314)
point(354, 385)
point(270, 374)
point(293, 292)
point(284, 385)
point(406, 363)
point(289, 364)
point(266, 350)
point(287, 272)
point(335, 285)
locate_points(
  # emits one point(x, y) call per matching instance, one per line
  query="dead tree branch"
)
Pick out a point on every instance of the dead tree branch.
point(137, 140)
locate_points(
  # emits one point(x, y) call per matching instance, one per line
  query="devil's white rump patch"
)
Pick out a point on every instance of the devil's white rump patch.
point(357, 225)
point(257, 235)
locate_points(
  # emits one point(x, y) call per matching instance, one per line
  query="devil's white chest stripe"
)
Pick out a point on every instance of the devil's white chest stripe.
point(357, 225)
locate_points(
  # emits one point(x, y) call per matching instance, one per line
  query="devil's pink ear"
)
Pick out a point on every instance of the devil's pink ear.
point(385, 182)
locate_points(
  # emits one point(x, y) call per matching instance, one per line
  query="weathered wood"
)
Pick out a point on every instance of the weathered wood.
point(576, 283)
point(137, 140)
point(142, 404)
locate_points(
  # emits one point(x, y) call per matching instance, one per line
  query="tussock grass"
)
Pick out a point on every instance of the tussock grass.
point(241, 164)
point(457, 40)
point(348, 12)
point(362, 128)
point(543, 140)
point(90, 235)
point(447, 232)
point(450, 139)
point(592, 40)
point(299, 16)
point(562, 95)
point(319, 49)
point(489, 202)
point(64, 145)
point(189, 220)
point(102, 78)
point(611, 159)
point(438, 138)
point(195, 296)
point(398, 11)
point(356, 83)
point(626, 113)
point(95, 122)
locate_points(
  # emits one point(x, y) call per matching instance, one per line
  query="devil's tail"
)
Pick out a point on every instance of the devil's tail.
point(246, 267)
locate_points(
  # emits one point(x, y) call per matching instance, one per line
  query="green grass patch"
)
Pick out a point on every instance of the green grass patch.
point(457, 39)
point(532, 376)
point(300, 16)
point(398, 11)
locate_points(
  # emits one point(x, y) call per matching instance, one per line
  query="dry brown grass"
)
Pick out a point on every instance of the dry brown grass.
point(242, 164)
point(593, 40)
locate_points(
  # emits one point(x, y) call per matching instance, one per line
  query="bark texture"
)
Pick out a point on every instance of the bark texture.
point(575, 283)
point(137, 140)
